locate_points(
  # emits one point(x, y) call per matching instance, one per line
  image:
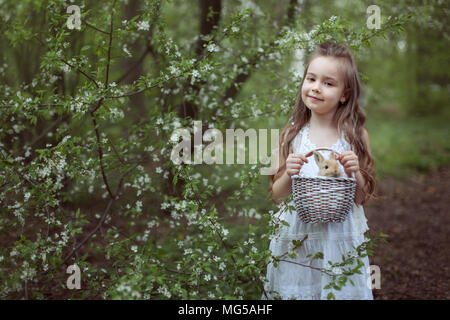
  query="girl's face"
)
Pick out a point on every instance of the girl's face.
point(323, 87)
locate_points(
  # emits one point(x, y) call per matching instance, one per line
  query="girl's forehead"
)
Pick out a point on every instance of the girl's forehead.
point(326, 67)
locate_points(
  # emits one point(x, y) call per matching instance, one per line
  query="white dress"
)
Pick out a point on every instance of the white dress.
point(293, 281)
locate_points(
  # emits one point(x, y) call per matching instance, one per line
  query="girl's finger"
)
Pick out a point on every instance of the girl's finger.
point(349, 163)
point(347, 158)
point(349, 171)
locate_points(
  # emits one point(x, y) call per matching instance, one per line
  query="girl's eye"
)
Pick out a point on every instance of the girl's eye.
point(327, 83)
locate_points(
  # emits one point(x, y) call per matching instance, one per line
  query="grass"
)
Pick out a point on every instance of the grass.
point(406, 146)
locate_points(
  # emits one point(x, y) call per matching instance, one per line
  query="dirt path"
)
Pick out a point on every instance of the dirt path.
point(415, 263)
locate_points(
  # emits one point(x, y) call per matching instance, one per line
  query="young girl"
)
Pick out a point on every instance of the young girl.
point(326, 114)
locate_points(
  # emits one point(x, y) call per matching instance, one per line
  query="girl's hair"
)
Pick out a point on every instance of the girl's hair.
point(349, 117)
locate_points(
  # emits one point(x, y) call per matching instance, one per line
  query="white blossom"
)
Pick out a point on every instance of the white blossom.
point(138, 205)
point(143, 25)
point(212, 47)
point(174, 70)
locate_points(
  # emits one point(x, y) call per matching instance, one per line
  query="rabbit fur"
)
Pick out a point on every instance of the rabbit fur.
point(328, 168)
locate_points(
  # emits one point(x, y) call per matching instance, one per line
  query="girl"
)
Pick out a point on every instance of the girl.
point(326, 114)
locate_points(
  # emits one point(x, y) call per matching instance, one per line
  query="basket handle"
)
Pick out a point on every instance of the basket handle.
point(310, 153)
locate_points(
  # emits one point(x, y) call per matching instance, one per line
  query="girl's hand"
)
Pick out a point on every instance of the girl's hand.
point(294, 163)
point(349, 161)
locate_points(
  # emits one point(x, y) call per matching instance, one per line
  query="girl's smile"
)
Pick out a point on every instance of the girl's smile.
point(315, 99)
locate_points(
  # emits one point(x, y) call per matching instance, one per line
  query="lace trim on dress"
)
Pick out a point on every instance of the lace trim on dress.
point(312, 145)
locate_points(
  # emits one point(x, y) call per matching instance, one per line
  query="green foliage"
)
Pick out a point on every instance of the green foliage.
point(409, 145)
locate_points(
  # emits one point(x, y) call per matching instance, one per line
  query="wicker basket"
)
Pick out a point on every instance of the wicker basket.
point(323, 199)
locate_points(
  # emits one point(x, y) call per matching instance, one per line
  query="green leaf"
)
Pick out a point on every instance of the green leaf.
point(318, 255)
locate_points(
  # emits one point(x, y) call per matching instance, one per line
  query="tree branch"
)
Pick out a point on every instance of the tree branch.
point(209, 19)
point(232, 91)
point(82, 72)
point(100, 154)
point(102, 219)
point(110, 44)
point(95, 28)
point(130, 12)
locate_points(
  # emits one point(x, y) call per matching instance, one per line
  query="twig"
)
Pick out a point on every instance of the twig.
point(100, 155)
point(110, 44)
point(108, 207)
point(115, 151)
point(78, 69)
point(307, 266)
point(104, 215)
point(95, 28)
point(203, 57)
point(54, 124)
point(82, 72)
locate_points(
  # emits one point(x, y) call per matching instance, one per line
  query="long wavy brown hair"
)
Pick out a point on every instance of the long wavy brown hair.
point(349, 116)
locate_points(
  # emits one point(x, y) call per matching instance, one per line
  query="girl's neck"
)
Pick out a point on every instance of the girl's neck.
point(322, 122)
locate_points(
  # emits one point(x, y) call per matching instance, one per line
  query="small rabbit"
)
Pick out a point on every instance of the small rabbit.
point(328, 168)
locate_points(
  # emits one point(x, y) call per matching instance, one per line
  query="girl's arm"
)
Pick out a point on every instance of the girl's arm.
point(282, 187)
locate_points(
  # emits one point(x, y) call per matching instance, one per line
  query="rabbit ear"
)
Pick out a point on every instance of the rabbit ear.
point(332, 156)
point(318, 157)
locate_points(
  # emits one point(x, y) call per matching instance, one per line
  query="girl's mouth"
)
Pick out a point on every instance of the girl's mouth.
point(315, 99)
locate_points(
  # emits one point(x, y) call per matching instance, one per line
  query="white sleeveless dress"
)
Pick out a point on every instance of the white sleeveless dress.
point(292, 281)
